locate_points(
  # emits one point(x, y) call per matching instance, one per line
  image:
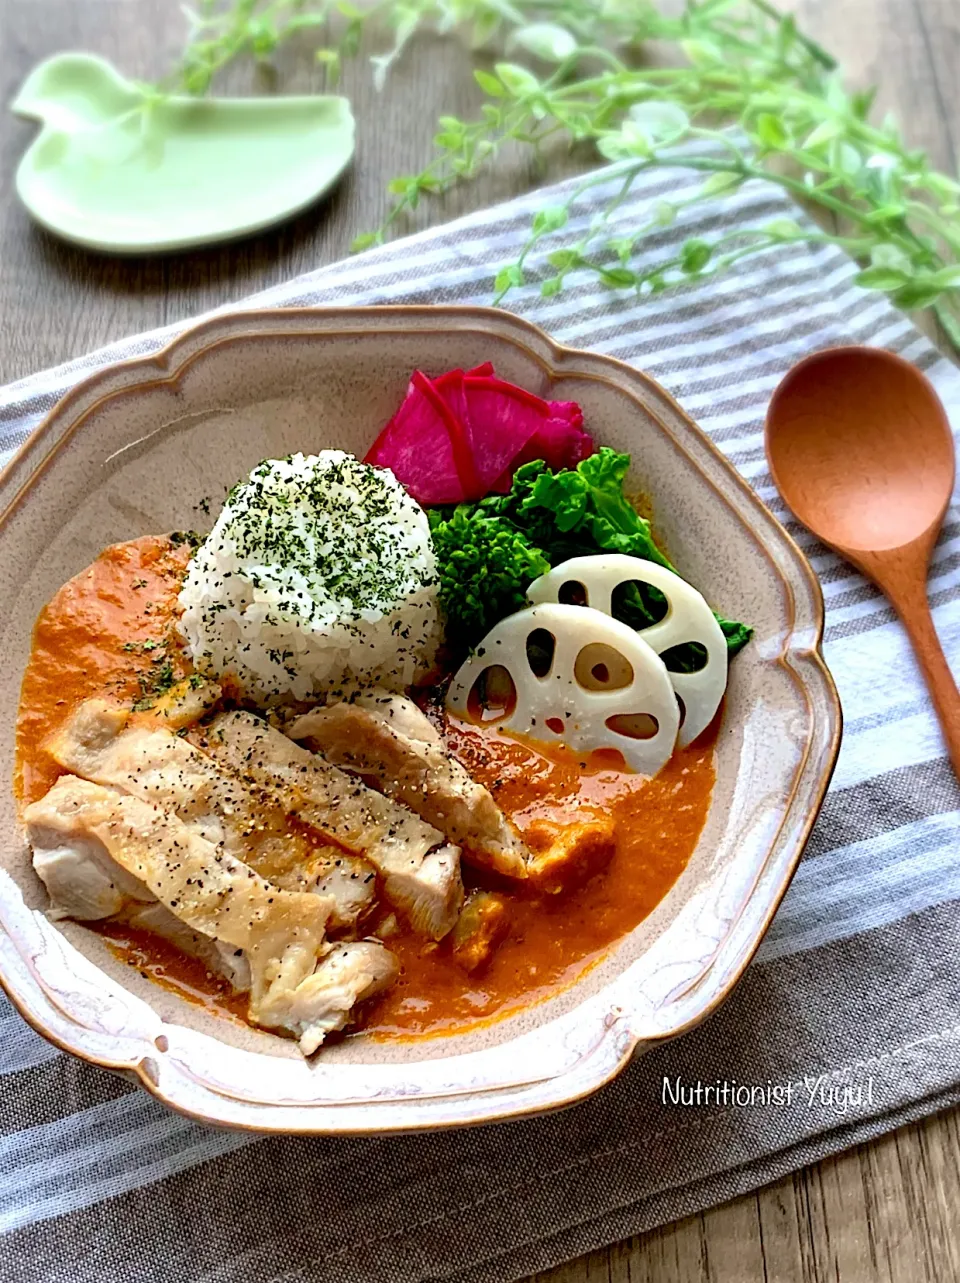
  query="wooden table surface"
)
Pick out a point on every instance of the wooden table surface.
point(885, 1211)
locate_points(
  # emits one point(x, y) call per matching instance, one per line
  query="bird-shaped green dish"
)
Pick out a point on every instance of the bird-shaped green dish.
point(119, 170)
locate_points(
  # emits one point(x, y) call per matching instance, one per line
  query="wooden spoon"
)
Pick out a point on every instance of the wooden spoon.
point(861, 450)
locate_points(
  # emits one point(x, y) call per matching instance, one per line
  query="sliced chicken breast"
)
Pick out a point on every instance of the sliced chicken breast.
point(186, 702)
point(220, 959)
point(82, 881)
point(350, 973)
point(86, 884)
point(388, 737)
point(282, 934)
point(420, 869)
point(143, 756)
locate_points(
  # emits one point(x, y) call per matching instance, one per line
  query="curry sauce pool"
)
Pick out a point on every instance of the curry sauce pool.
point(229, 746)
point(111, 628)
point(553, 937)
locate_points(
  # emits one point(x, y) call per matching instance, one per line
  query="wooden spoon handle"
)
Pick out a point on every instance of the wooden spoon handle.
point(914, 611)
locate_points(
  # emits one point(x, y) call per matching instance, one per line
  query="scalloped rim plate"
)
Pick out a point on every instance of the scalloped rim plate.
point(197, 415)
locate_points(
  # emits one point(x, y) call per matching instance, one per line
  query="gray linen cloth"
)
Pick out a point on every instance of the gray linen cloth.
point(851, 1009)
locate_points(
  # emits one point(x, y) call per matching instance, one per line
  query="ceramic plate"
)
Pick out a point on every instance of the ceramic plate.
point(137, 448)
point(110, 170)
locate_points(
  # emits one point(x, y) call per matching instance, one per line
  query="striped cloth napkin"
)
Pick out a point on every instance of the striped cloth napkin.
point(846, 1025)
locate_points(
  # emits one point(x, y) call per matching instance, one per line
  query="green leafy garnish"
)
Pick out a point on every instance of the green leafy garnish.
point(186, 537)
point(737, 635)
point(589, 502)
point(490, 552)
point(486, 566)
point(156, 680)
point(561, 73)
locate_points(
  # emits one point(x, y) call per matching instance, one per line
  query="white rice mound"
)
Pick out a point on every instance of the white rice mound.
point(319, 575)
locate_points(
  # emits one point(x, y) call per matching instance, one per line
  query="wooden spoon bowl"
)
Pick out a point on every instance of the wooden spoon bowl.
point(861, 450)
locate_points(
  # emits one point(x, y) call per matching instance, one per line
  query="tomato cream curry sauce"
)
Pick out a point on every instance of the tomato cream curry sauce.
point(111, 632)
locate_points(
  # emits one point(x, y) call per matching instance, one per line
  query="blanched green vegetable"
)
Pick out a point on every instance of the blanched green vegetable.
point(489, 552)
point(486, 567)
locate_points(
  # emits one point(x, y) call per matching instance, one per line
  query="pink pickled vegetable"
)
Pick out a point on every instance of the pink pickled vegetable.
point(464, 434)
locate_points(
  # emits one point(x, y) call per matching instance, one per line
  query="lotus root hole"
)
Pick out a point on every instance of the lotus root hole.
point(687, 657)
point(493, 696)
point(635, 726)
point(541, 647)
point(600, 667)
point(638, 604)
point(572, 593)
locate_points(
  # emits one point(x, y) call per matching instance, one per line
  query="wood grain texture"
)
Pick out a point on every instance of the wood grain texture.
point(852, 437)
point(887, 1212)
